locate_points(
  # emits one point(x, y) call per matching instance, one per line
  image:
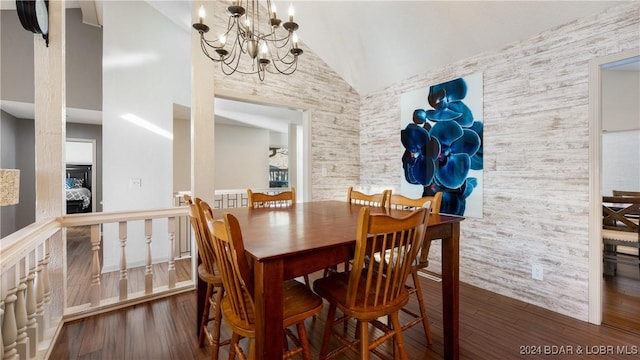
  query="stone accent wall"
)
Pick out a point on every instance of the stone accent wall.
point(333, 106)
point(536, 158)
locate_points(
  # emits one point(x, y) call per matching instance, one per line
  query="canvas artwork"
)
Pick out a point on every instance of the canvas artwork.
point(443, 148)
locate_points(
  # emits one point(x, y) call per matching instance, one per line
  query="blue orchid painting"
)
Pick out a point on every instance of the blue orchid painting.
point(443, 145)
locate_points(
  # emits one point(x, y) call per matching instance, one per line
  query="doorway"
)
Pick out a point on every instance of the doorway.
point(604, 299)
point(82, 153)
point(249, 134)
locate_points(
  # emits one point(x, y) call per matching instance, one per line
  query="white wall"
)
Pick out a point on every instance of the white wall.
point(536, 158)
point(621, 131)
point(620, 100)
point(146, 69)
point(181, 155)
point(620, 161)
point(242, 157)
point(79, 152)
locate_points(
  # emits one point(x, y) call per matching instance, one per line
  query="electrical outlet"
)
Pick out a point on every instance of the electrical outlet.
point(135, 182)
point(537, 272)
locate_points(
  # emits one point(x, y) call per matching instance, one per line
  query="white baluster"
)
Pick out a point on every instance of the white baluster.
point(39, 294)
point(95, 265)
point(122, 234)
point(9, 330)
point(45, 272)
point(22, 340)
point(1, 338)
point(32, 324)
point(171, 268)
point(148, 271)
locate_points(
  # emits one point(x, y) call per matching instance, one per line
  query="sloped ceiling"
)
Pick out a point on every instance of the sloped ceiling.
point(373, 44)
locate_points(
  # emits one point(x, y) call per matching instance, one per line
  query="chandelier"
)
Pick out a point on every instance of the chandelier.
point(245, 48)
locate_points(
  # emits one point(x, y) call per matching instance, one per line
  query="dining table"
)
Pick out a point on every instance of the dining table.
point(288, 242)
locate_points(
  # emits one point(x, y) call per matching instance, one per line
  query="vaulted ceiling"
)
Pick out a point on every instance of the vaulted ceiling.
point(373, 44)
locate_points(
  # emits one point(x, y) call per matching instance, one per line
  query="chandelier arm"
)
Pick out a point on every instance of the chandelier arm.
point(290, 68)
point(203, 46)
point(241, 38)
point(285, 39)
point(283, 57)
point(233, 61)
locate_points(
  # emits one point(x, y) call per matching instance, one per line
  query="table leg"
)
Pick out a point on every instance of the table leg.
point(269, 302)
point(450, 291)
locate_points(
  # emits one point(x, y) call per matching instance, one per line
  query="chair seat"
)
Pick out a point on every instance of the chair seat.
point(299, 304)
point(334, 289)
point(624, 236)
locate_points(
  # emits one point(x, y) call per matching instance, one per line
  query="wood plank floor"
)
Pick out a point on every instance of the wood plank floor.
point(491, 327)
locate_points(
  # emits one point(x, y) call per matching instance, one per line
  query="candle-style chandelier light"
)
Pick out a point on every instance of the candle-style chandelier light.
point(245, 48)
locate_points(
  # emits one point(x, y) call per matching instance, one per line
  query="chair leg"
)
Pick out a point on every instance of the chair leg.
point(215, 347)
point(327, 331)
point(205, 315)
point(252, 349)
point(304, 341)
point(399, 341)
point(235, 338)
point(364, 340)
point(423, 309)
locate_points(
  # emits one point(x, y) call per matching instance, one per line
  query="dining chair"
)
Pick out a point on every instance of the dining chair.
point(373, 288)
point(360, 198)
point(238, 304)
point(282, 199)
point(620, 228)
point(626, 193)
point(207, 272)
point(396, 201)
point(375, 200)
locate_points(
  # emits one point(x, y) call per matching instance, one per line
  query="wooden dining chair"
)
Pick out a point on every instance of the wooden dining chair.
point(282, 199)
point(620, 227)
point(360, 198)
point(207, 272)
point(626, 193)
point(432, 203)
point(238, 304)
point(373, 288)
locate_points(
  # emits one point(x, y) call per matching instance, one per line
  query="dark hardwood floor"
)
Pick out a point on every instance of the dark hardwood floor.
point(491, 326)
point(621, 303)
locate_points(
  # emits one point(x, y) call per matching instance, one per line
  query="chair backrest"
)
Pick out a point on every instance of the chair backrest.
point(396, 201)
point(205, 249)
point(282, 199)
point(187, 199)
point(621, 213)
point(386, 248)
point(626, 193)
point(360, 198)
point(234, 267)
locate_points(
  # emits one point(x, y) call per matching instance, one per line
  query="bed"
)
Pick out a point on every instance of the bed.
point(78, 188)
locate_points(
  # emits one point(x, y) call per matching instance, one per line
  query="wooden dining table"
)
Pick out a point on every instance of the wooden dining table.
point(285, 243)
